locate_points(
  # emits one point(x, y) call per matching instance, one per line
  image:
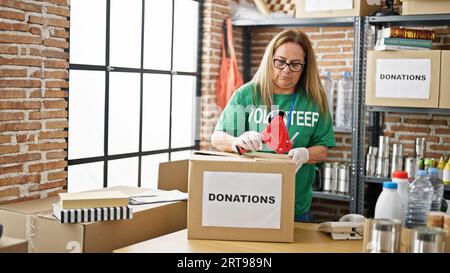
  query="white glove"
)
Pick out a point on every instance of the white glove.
point(300, 155)
point(250, 140)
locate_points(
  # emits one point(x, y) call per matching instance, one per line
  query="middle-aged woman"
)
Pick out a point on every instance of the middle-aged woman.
point(287, 80)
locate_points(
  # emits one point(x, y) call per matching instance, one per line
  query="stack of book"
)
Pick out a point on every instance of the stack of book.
point(398, 38)
point(92, 206)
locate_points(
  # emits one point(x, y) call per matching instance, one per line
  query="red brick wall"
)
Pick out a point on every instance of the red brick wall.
point(33, 90)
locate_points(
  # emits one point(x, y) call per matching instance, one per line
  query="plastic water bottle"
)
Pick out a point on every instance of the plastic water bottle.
point(420, 197)
point(327, 83)
point(344, 102)
point(438, 187)
point(389, 203)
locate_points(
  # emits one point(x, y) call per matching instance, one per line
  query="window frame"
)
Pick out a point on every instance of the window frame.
point(107, 68)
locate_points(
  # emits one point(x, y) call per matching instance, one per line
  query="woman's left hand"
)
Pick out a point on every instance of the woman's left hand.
point(300, 155)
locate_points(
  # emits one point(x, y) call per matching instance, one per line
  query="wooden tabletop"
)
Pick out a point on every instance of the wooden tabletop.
point(307, 239)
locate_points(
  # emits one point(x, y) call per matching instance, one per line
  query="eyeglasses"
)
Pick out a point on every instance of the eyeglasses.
point(294, 67)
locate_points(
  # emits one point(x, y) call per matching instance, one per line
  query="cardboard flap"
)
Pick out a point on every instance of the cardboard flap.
point(173, 175)
point(216, 153)
point(247, 157)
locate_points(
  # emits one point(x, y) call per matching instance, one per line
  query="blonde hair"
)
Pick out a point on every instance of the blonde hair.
point(309, 80)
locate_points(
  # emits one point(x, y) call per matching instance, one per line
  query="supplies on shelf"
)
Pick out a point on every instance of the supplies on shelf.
point(383, 166)
point(398, 38)
point(336, 178)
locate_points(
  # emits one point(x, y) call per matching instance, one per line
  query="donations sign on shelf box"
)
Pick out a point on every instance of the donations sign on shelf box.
point(410, 78)
point(403, 78)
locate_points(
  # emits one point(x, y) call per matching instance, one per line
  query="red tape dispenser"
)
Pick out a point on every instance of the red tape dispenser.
point(275, 136)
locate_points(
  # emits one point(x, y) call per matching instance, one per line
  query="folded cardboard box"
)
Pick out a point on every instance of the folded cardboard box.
point(335, 8)
point(33, 220)
point(410, 7)
point(403, 78)
point(245, 198)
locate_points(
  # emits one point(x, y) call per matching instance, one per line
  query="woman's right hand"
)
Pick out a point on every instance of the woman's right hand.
point(250, 140)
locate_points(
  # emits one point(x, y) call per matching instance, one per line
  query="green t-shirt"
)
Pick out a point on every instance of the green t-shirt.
point(241, 114)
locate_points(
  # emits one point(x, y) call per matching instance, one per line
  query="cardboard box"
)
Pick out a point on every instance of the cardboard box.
point(241, 197)
point(13, 245)
point(410, 7)
point(444, 92)
point(33, 220)
point(335, 8)
point(404, 78)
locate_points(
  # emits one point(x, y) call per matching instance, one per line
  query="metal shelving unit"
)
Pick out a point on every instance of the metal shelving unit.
point(342, 130)
point(375, 120)
point(331, 196)
point(408, 110)
point(358, 106)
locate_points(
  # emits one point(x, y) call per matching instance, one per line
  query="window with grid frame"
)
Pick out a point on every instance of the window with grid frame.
point(133, 89)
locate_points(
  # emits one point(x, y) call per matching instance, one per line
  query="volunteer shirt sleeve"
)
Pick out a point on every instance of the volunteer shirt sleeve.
point(233, 118)
point(324, 134)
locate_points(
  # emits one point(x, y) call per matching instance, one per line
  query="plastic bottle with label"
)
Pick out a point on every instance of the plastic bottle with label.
point(441, 167)
point(438, 187)
point(420, 196)
point(446, 173)
point(389, 203)
point(401, 178)
point(327, 83)
point(344, 102)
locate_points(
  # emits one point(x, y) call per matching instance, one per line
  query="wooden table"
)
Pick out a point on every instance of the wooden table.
point(307, 239)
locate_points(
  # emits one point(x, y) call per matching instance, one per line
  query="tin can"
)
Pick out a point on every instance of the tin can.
point(428, 240)
point(410, 167)
point(327, 177)
point(344, 179)
point(383, 147)
point(382, 167)
point(371, 161)
point(384, 236)
point(420, 147)
point(334, 176)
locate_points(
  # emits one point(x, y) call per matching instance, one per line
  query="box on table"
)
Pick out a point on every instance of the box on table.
point(33, 220)
point(13, 245)
point(244, 198)
point(444, 93)
point(410, 7)
point(403, 78)
point(335, 8)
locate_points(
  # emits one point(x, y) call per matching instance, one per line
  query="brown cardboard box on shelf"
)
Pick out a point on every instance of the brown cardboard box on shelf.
point(33, 220)
point(334, 8)
point(13, 245)
point(444, 93)
point(244, 198)
point(410, 7)
point(403, 78)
